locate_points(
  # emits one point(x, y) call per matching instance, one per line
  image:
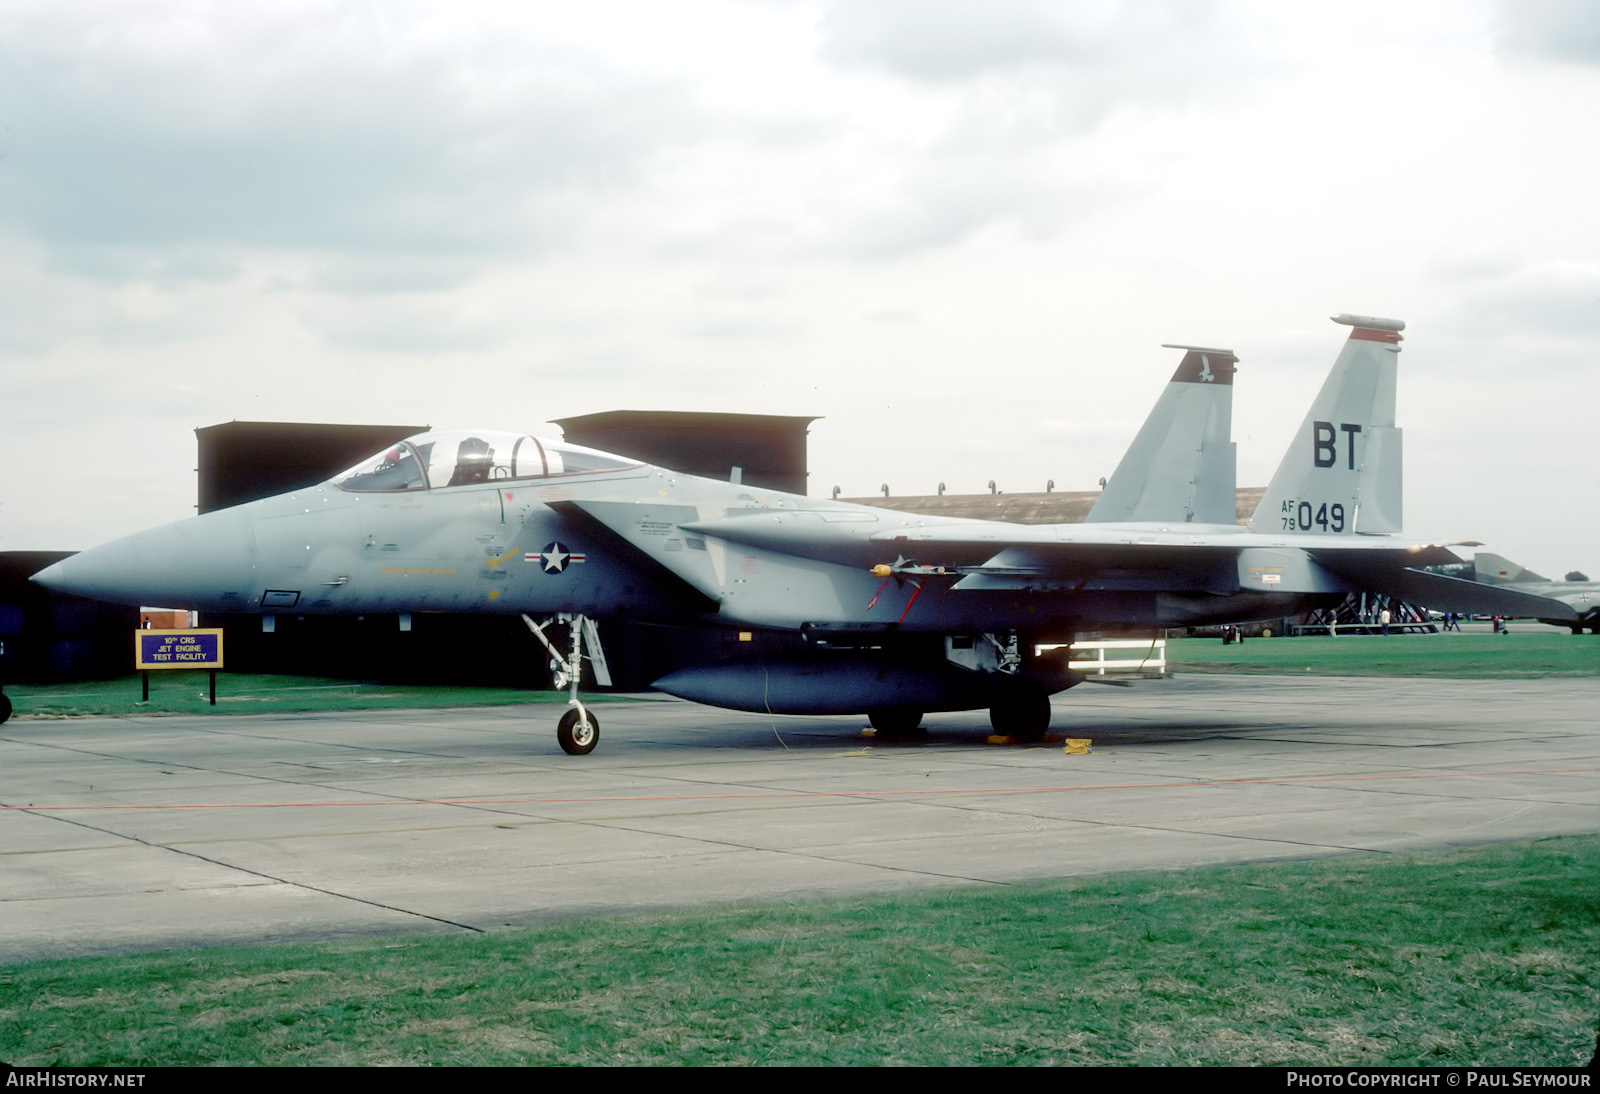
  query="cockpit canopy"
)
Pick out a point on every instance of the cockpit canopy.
point(460, 457)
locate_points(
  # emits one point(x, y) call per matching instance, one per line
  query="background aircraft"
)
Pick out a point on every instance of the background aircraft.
point(861, 610)
point(1583, 597)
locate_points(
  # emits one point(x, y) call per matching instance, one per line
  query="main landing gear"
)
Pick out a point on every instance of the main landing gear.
point(1020, 707)
point(895, 723)
point(578, 731)
point(1019, 703)
point(1021, 710)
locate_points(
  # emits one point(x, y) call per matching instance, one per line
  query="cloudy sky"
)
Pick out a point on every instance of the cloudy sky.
point(957, 231)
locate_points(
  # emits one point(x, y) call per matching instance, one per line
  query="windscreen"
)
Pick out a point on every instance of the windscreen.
point(445, 458)
point(394, 469)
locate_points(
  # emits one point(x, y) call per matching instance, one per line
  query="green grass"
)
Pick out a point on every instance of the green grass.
point(1482, 957)
point(187, 693)
point(1470, 656)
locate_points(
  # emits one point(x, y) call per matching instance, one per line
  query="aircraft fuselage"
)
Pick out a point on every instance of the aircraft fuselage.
point(524, 547)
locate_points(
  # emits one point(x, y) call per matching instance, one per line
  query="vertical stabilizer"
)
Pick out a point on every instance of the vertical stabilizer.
point(1342, 472)
point(1492, 569)
point(1181, 466)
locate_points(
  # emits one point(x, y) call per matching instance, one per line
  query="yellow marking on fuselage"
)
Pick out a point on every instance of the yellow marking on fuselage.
point(501, 561)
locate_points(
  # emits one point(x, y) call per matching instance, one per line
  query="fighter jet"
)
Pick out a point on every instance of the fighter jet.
point(1583, 597)
point(863, 610)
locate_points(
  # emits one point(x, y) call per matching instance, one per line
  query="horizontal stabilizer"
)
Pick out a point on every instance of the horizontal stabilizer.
point(1452, 594)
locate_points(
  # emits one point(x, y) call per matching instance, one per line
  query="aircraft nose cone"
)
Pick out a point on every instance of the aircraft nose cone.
point(94, 573)
point(53, 576)
point(203, 562)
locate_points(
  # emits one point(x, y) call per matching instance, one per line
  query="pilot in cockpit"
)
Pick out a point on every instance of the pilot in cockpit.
point(473, 460)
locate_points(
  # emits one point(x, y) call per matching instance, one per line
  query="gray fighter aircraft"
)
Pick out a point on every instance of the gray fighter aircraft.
point(876, 612)
point(1583, 597)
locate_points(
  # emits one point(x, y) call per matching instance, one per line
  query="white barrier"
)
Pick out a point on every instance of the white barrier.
point(1150, 656)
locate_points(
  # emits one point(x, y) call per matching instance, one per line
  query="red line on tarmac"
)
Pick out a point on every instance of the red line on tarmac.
point(925, 793)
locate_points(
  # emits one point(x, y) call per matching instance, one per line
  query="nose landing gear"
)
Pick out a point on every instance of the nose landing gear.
point(578, 731)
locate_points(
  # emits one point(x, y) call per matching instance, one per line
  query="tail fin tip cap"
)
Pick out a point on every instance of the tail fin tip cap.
point(1370, 322)
point(1201, 349)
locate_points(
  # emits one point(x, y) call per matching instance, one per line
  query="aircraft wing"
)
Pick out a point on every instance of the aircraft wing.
point(987, 555)
point(990, 555)
point(1384, 564)
point(1225, 537)
point(814, 535)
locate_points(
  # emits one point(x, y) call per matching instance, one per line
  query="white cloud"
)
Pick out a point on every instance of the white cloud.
point(946, 229)
point(293, 127)
point(962, 39)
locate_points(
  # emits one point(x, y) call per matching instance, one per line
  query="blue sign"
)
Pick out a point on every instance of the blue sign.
point(191, 649)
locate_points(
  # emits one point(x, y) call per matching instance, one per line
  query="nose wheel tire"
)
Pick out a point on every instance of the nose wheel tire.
point(578, 735)
point(5, 708)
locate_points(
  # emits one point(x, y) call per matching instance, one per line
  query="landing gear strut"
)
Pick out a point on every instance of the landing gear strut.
point(578, 731)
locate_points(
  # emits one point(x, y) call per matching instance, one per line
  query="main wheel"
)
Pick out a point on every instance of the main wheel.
point(5, 708)
point(1022, 711)
point(578, 735)
point(895, 722)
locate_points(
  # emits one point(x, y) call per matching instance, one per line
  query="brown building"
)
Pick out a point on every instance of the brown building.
point(768, 449)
